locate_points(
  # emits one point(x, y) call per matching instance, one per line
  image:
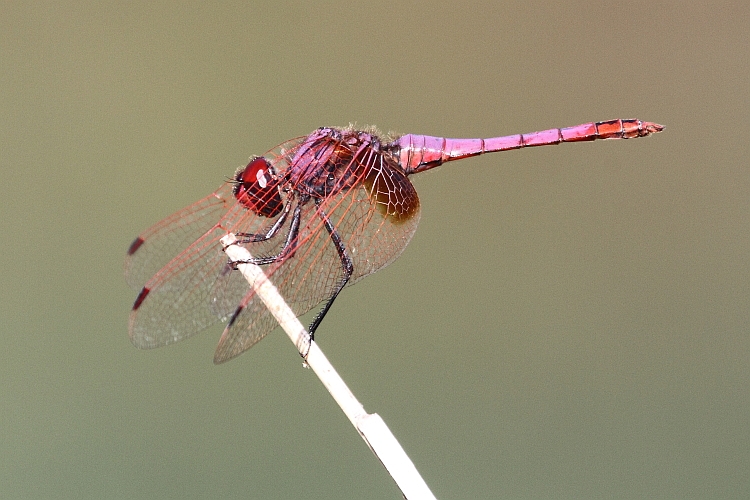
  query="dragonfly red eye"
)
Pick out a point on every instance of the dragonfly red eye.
point(257, 189)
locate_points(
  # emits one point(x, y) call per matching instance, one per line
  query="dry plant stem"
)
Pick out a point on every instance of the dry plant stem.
point(371, 427)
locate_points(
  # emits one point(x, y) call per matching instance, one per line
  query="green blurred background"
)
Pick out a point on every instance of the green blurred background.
point(568, 322)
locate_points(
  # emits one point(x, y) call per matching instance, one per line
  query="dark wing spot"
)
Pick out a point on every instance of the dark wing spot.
point(141, 297)
point(234, 316)
point(135, 245)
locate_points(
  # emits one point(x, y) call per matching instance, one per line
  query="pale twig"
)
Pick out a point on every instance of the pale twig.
point(371, 427)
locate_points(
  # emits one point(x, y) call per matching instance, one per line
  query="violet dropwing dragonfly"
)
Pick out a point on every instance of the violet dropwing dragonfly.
point(317, 213)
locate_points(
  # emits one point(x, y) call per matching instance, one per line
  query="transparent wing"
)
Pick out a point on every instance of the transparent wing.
point(160, 243)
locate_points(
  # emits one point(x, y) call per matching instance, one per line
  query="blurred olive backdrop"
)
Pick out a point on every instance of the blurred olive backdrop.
point(568, 322)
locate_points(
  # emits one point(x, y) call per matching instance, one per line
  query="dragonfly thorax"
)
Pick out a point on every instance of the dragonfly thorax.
point(332, 160)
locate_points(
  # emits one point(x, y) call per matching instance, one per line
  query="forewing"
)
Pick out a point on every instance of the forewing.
point(160, 243)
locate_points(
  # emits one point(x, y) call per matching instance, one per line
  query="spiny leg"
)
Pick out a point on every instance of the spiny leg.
point(287, 250)
point(346, 265)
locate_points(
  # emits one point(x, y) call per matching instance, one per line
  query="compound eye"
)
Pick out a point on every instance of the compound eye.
point(258, 189)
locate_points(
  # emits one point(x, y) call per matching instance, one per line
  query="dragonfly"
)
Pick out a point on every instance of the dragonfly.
point(317, 213)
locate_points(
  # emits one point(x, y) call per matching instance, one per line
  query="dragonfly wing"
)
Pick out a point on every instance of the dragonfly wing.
point(175, 303)
point(196, 288)
point(159, 244)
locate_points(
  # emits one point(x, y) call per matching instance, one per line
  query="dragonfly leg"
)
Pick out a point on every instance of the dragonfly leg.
point(289, 245)
point(346, 265)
